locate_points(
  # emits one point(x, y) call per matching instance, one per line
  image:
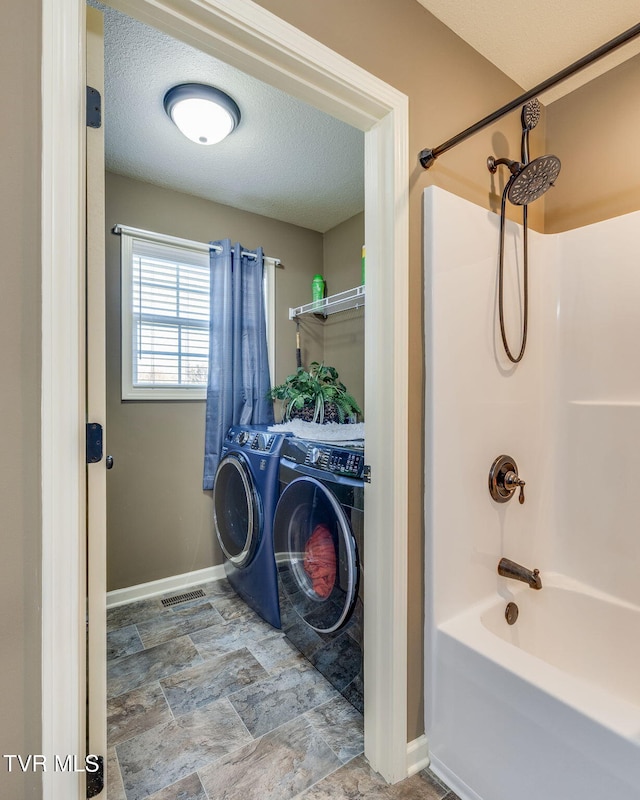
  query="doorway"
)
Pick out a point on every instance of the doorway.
point(261, 44)
point(290, 179)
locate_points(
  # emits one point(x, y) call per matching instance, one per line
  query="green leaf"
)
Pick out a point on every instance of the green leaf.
point(315, 387)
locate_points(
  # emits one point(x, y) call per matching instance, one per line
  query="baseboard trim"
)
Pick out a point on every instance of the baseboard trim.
point(451, 780)
point(118, 597)
point(417, 755)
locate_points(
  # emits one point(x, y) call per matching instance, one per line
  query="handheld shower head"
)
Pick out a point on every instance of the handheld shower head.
point(530, 115)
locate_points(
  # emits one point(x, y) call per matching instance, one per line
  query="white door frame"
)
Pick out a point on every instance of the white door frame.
point(254, 40)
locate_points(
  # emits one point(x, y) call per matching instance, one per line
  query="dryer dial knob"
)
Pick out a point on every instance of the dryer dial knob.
point(314, 455)
point(243, 437)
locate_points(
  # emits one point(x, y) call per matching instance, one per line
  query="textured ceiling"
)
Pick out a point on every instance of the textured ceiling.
point(531, 40)
point(286, 160)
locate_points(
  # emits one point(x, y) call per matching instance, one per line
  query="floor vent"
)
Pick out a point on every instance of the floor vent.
point(182, 598)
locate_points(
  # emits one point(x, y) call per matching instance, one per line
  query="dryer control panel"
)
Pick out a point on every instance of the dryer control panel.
point(324, 457)
point(336, 460)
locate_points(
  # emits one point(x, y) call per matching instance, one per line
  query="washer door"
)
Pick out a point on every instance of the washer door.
point(236, 509)
point(316, 554)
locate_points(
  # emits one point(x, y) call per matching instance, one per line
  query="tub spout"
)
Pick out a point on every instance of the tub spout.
point(509, 569)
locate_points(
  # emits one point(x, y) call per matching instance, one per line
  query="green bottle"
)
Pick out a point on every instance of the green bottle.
point(317, 289)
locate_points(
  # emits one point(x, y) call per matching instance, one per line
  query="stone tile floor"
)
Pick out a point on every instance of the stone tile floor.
point(206, 701)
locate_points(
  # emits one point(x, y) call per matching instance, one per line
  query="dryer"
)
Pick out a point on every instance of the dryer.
point(318, 542)
point(245, 492)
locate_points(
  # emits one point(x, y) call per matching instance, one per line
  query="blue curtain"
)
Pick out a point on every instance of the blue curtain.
point(238, 359)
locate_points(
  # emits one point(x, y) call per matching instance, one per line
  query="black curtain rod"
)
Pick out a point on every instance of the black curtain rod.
point(166, 239)
point(429, 155)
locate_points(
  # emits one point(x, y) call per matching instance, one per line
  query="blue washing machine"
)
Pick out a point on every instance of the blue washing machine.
point(245, 493)
point(319, 548)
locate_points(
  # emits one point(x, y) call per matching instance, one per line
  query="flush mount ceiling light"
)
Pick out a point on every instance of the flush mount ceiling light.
point(202, 113)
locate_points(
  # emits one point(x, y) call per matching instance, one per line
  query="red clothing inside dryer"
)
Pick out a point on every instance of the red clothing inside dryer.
point(320, 560)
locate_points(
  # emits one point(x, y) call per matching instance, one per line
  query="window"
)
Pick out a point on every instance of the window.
point(165, 316)
point(165, 319)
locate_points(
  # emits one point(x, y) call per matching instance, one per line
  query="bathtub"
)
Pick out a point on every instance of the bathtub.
point(548, 708)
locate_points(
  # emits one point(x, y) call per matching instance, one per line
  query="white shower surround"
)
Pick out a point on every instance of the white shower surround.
point(501, 721)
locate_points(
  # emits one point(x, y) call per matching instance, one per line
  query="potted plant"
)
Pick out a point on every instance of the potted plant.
point(315, 395)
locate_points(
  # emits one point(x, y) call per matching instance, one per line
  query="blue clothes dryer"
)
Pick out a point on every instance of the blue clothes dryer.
point(319, 545)
point(245, 493)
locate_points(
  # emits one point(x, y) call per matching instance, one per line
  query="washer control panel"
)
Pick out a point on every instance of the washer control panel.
point(262, 442)
point(259, 441)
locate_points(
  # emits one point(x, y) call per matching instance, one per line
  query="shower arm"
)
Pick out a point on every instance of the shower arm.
point(428, 156)
point(494, 163)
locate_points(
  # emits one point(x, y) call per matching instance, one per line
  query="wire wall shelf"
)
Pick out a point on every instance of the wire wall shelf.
point(343, 301)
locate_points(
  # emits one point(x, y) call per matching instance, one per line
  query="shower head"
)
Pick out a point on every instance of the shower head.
point(529, 181)
point(530, 115)
point(533, 180)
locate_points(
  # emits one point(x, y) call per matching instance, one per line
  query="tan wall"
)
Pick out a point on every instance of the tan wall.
point(594, 132)
point(344, 332)
point(20, 499)
point(449, 87)
point(159, 518)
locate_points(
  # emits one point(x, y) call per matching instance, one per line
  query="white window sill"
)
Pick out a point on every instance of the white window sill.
point(165, 393)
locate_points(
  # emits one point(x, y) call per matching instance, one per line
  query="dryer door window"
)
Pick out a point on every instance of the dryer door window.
point(236, 510)
point(316, 554)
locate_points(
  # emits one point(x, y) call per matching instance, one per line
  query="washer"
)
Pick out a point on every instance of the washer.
point(318, 540)
point(245, 493)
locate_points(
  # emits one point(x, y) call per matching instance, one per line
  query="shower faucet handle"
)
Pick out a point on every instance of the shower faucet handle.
point(512, 481)
point(504, 480)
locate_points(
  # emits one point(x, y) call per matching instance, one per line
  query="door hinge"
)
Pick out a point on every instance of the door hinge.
point(94, 442)
point(366, 473)
point(94, 108)
point(95, 779)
